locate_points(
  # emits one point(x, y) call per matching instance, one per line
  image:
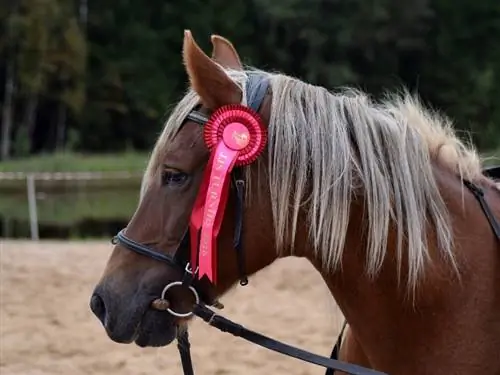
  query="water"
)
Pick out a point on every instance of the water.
point(69, 212)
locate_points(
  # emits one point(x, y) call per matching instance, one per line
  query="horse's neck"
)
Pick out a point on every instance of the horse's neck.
point(389, 323)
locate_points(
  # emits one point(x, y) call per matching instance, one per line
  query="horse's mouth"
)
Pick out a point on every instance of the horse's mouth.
point(142, 324)
point(157, 328)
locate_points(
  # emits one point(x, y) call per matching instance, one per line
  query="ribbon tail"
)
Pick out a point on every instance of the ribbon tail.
point(215, 204)
point(197, 214)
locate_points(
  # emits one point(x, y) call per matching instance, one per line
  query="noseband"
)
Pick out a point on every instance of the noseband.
point(256, 88)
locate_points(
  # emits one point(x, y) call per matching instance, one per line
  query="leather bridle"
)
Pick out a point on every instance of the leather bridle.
point(256, 88)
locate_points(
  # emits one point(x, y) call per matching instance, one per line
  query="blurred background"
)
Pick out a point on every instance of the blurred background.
point(86, 85)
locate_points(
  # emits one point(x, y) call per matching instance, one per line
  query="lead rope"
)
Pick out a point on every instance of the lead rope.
point(225, 325)
point(184, 348)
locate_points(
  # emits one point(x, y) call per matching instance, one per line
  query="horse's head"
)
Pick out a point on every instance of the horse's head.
point(155, 249)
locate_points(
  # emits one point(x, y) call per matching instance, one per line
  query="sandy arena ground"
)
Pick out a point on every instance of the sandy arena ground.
point(46, 326)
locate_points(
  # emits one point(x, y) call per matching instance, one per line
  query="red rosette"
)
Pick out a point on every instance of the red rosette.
point(235, 136)
point(240, 128)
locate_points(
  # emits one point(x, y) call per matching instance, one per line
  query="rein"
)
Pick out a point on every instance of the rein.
point(257, 87)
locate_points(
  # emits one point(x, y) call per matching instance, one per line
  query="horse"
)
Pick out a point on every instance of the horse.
point(382, 197)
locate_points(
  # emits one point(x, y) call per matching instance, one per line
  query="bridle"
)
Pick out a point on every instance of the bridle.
point(257, 87)
point(180, 259)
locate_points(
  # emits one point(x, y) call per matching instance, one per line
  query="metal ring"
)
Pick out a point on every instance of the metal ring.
point(191, 288)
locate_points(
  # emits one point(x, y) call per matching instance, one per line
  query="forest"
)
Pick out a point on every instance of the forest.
point(101, 76)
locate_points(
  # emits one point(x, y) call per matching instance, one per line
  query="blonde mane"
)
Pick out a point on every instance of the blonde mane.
point(324, 147)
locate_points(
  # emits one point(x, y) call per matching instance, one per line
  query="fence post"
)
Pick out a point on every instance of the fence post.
point(30, 182)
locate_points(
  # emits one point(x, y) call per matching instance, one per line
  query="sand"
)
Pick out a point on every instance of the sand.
point(46, 326)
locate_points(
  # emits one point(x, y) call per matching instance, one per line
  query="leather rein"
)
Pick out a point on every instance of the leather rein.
point(257, 87)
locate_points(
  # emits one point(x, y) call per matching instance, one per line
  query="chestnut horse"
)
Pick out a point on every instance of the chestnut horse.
point(383, 199)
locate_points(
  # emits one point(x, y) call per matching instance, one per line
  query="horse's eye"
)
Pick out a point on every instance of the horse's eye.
point(171, 177)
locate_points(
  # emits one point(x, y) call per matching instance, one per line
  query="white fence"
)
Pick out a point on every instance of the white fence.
point(66, 176)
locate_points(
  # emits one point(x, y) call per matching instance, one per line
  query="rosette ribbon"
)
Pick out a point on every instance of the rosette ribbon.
point(235, 136)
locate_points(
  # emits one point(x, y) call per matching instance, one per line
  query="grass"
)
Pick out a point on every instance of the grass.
point(74, 162)
point(68, 208)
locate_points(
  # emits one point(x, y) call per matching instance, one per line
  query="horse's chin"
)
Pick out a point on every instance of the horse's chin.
point(157, 329)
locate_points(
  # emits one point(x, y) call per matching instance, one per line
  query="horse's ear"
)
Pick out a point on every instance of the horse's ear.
point(207, 78)
point(225, 54)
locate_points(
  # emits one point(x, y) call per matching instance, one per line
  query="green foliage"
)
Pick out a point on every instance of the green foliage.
point(35, 35)
point(119, 74)
point(462, 66)
point(73, 162)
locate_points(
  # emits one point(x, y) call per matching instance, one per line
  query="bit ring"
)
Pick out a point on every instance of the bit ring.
point(191, 288)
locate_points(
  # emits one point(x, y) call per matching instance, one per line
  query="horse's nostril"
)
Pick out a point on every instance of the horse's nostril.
point(98, 307)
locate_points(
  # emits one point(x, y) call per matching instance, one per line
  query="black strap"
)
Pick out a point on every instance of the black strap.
point(226, 325)
point(185, 351)
point(198, 117)
point(145, 250)
point(479, 194)
point(336, 349)
point(239, 184)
